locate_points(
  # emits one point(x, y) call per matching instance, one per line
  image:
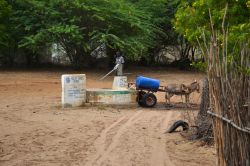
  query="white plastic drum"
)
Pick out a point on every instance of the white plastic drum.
point(73, 90)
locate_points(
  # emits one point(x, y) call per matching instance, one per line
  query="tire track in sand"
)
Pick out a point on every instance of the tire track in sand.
point(101, 153)
point(100, 142)
point(160, 155)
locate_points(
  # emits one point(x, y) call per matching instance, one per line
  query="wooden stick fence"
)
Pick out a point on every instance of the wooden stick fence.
point(244, 129)
point(229, 87)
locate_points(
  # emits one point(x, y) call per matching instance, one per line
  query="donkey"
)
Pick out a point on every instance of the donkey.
point(181, 89)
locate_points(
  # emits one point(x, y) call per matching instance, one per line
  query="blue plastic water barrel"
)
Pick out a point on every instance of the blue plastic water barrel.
point(147, 83)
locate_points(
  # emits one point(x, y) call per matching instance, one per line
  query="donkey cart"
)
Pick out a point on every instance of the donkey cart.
point(146, 87)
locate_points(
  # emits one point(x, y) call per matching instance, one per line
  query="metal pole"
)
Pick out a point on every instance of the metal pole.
point(115, 68)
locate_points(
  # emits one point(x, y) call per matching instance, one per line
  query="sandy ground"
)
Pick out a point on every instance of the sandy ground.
point(35, 130)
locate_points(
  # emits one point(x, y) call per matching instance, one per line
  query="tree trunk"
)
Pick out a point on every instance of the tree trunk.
point(204, 121)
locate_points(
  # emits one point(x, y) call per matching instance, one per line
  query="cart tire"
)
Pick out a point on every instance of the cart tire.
point(140, 97)
point(149, 100)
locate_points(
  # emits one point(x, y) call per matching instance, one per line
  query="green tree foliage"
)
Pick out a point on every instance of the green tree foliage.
point(192, 18)
point(134, 27)
point(5, 10)
point(7, 42)
point(186, 48)
point(158, 14)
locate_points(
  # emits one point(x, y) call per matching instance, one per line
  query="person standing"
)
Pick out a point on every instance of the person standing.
point(119, 61)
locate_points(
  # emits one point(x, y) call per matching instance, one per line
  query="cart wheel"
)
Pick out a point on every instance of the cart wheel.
point(139, 98)
point(149, 100)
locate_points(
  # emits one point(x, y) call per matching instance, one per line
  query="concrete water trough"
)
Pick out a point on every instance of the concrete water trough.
point(119, 94)
point(111, 96)
point(75, 93)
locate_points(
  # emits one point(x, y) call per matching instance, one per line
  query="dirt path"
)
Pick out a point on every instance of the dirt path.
point(104, 148)
point(121, 131)
point(36, 131)
point(153, 153)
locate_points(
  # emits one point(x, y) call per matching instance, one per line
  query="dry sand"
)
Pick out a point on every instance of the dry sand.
point(35, 130)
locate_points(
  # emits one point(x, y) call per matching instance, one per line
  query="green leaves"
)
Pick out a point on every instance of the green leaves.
point(192, 18)
point(79, 26)
point(229, 24)
point(5, 11)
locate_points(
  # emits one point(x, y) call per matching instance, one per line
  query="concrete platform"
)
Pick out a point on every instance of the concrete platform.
point(110, 96)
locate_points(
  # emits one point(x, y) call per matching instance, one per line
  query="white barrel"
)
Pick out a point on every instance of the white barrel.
point(73, 90)
point(120, 83)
